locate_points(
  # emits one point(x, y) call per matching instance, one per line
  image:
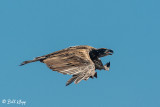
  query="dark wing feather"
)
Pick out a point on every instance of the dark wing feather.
point(71, 80)
point(75, 62)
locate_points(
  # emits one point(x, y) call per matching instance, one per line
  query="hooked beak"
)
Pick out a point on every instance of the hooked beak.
point(109, 52)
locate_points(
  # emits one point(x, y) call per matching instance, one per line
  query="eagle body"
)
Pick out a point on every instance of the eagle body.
point(78, 61)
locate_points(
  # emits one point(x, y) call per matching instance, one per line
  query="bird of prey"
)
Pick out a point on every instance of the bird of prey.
point(78, 61)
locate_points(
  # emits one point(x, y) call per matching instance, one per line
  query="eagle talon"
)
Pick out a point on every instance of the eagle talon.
point(107, 66)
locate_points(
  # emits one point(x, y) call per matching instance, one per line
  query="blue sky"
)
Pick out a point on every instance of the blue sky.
point(31, 28)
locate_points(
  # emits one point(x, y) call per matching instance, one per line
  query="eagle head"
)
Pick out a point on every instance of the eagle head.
point(104, 52)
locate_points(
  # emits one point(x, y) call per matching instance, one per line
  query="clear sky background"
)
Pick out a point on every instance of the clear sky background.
point(31, 28)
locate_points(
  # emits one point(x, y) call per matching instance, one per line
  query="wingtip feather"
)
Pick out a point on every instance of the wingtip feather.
point(71, 80)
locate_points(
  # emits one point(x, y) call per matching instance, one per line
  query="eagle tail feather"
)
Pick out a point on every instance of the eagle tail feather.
point(34, 60)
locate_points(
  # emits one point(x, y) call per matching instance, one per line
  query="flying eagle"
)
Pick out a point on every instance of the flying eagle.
point(78, 61)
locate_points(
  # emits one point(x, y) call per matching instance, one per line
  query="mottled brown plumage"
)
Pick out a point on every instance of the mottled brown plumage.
point(76, 61)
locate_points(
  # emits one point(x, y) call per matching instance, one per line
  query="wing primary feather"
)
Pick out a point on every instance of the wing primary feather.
point(78, 79)
point(71, 80)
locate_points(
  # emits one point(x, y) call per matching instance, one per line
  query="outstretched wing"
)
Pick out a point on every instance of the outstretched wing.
point(74, 62)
